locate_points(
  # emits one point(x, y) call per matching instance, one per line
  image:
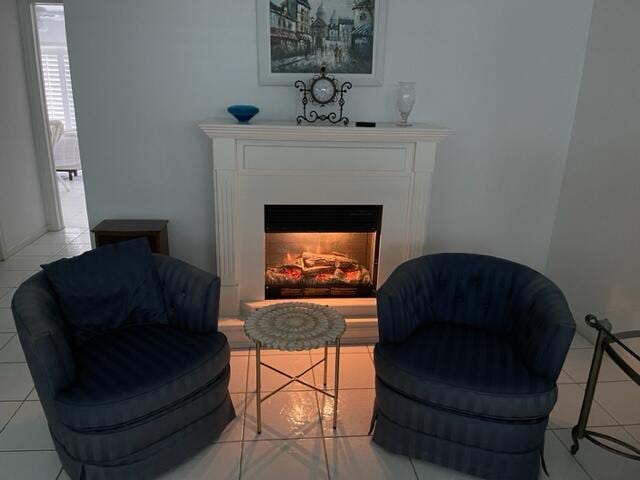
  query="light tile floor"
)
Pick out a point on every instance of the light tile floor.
point(297, 439)
point(72, 199)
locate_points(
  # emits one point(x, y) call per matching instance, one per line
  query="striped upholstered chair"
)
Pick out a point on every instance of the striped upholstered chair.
point(470, 350)
point(132, 402)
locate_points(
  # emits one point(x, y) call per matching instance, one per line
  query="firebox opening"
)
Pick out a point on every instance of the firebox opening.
point(321, 250)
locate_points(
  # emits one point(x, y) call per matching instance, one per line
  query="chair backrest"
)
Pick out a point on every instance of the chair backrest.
point(56, 129)
point(480, 290)
point(67, 151)
point(192, 296)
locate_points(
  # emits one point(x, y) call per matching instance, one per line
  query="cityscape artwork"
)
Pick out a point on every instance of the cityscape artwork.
point(304, 35)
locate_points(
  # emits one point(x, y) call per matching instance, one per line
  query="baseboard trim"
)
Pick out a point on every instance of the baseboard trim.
point(10, 251)
point(360, 330)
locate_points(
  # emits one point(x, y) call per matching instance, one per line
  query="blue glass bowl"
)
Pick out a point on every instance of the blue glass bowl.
point(243, 113)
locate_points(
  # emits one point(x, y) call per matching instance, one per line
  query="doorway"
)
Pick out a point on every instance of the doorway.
point(60, 118)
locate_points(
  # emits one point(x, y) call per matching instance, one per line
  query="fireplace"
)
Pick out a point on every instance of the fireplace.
point(388, 169)
point(316, 251)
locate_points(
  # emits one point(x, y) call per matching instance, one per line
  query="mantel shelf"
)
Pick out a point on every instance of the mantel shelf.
point(274, 130)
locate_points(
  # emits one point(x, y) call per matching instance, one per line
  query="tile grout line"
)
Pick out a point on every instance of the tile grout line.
point(415, 471)
point(23, 450)
point(567, 373)
point(608, 381)
point(7, 342)
point(303, 389)
point(601, 382)
point(17, 409)
point(633, 437)
point(618, 423)
point(308, 437)
point(575, 459)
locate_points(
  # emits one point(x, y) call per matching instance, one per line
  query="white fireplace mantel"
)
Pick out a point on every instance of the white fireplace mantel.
point(273, 130)
point(283, 163)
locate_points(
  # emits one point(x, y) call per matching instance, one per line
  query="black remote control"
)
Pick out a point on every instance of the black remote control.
point(365, 124)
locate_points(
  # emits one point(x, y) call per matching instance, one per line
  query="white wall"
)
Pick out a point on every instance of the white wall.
point(594, 254)
point(504, 74)
point(22, 216)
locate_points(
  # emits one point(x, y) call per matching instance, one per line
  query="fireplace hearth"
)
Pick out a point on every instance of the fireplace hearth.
point(316, 251)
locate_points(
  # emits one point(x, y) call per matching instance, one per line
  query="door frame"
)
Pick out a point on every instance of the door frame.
point(39, 118)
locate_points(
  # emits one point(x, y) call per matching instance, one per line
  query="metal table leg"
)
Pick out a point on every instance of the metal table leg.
point(258, 399)
point(578, 432)
point(603, 344)
point(298, 379)
point(335, 387)
point(326, 352)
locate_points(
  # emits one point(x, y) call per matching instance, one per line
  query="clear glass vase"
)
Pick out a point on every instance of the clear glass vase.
point(405, 101)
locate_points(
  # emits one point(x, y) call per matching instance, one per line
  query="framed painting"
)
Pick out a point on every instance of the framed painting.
point(297, 37)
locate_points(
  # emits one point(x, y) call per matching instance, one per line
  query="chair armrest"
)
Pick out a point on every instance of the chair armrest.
point(192, 296)
point(44, 336)
point(543, 328)
point(404, 301)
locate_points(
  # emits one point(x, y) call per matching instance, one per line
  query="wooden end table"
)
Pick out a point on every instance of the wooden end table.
point(112, 231)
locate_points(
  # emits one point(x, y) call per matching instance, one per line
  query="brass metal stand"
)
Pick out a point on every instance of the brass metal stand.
point(603, 345)
point(298, 379)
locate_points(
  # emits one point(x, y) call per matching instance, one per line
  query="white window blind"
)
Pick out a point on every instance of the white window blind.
point(57, 85)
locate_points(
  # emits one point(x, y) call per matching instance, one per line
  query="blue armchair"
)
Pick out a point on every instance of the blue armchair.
point(470, 350)
point(135, 401)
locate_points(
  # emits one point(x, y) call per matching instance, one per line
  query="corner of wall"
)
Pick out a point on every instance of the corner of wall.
point(568, 145)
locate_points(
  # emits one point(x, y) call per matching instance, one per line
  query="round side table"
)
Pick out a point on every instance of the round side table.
point(294, 327)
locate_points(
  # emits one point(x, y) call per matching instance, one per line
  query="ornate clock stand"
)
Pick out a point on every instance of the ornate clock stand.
point(315, 93)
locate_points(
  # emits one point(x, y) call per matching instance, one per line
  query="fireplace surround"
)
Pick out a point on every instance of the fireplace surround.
point(265, 166)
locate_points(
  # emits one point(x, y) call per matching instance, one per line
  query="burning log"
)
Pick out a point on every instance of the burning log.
point(312, 269)
point(334, 259)
point(311, 260)
point(284, 275)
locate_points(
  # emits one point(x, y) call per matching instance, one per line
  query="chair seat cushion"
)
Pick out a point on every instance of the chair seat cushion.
point(466, 369)
point(139, 371)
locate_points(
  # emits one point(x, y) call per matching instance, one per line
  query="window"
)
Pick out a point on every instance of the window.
point(57, 85)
